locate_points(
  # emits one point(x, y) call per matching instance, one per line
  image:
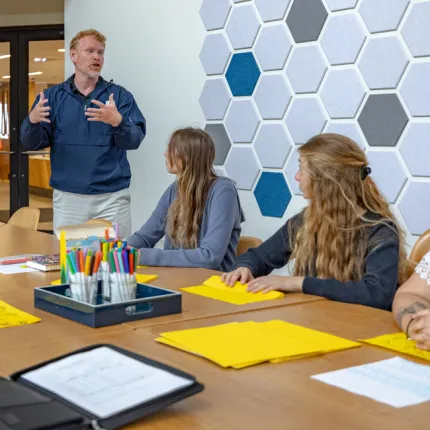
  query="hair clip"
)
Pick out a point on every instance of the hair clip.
point(365, 171)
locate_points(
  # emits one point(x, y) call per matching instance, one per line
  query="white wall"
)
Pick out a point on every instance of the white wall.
point(31, 19)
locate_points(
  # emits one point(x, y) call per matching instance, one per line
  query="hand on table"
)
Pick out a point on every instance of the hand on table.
point(289, 284)
point(419, 329)
point(241, 274)
point(105, 113)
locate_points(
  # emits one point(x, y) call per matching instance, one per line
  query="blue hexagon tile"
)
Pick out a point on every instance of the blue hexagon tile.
point(272, 10)
point(272, 145)
point(348, 129)
point(415, 207)
point(272, 194)
point(415, 89)
point(242, 167)
point(242, 74)
point(382, 15)
point(215, 54)
point(306, 69)
point(336, 5)
point(290, 169)
point(214, 13)
point(415, 149)
point(215, 99)
point(416, 30)
point(243, 26)
point(272, 47)
point(272, 96)
point(387, 172)
point(242, 121)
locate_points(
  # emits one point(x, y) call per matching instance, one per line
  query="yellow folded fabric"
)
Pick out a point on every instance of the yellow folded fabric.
point(214, 288)
point(400, 343)
point(10, 316)
point(143, 278)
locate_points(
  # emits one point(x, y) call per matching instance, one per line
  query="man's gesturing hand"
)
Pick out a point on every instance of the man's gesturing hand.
point(40, 113)
point(105, 113)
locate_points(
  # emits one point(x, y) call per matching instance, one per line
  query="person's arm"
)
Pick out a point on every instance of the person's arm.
point(379, 283)
point(154, 228)
point(213, 245)
point(132, 129)
point(35, 136)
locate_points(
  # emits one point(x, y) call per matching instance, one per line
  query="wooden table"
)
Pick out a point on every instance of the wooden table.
point(268, 396)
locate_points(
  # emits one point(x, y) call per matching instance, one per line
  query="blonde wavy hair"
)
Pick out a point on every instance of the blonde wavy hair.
point(334, 222)
point(85, 33)
point(192, 151)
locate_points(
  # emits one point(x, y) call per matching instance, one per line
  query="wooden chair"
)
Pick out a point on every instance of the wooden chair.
point(246, 242)
point(25, 218)
point(421, 247)
point(100, 220)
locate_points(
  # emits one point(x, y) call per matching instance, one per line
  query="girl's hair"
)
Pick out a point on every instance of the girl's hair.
point(332, 241)
point(192, 151)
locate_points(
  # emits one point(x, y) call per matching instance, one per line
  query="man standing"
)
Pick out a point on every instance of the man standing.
point(89, 124)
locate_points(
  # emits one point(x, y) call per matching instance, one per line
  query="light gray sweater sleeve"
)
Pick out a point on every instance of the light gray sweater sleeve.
point(153, 230)
point(222, 214)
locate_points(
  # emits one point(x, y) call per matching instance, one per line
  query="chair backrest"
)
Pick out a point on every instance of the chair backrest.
point(421, 247)
point(99, 221)
point(25, 218)
point(246, 242)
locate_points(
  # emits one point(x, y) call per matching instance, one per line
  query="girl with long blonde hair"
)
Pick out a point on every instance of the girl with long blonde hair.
point(199, 214)
point(346, 245)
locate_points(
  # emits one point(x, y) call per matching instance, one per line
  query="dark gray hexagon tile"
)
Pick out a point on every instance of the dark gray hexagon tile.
point(221, 140)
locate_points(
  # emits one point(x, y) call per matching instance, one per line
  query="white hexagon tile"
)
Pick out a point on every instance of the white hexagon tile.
point(242, 167)
point(416, 30)
point(272, 145)
point(242, 121)
point(348, 129)
point(215, 99)
point(272, 10)
point(242, 27)
point(215, 54)
point(214, 13)
point(382, 15)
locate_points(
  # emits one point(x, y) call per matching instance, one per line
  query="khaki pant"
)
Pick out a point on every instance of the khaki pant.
point(71, 209)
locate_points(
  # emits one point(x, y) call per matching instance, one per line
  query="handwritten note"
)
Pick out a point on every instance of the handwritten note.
point(10, 316)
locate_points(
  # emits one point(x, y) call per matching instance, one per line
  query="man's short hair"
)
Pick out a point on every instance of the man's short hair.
point(85, 33)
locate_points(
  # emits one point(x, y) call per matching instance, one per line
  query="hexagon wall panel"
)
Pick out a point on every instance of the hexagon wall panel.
point(272, 96)
point(242, 74)
point(383, 62)
point(272, 194)
point(415, 207)
point(215, 99)
point(291, 168)
point(342, 38)
point(306, 19)
point(305, 119)
point(242, 121)
point(242, 167)
point(416, 30)
point(221, 141)
point(215, 54)
point(242, 28)
point(220, 171)
point(348, 129)
point(214, 13)
point(382, 120)
point(272, 10)
point(306, 69)
point(336, 5)
point(342, 93)
point(387, 173)
point(382, 15)
point(272, 47)
point(272, 145)
point(415, 149)
point(415, 89)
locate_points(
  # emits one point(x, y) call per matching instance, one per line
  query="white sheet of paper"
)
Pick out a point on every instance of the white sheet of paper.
point(105, 382)
point(396, 382)
point(12, 269)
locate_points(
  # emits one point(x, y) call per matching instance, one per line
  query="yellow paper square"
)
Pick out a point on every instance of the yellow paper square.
point(10, 316)
point(143, 278)
point(56, 282)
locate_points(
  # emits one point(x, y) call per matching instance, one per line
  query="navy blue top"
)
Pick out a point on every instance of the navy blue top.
point(86, 157)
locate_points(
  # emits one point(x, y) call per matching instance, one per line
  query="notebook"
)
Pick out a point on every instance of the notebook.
point(45, 263)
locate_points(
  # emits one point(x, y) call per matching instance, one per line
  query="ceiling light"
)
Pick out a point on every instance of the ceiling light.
point(61, 50)
point(5, 77)
point(34, 73)
point(39, 60)
point(3, 57)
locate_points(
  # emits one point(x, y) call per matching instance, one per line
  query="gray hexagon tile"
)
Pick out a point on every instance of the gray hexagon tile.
point(342, 93)
point(336, 5)
point(215, 99)
point(305, 119)
point(415, 89)
point(272, 47)
point(348, 129)
point(272, 145)
point(214, 13)
point(387, 172)
point(383, 62)
point(242, 27)
point(382, 15)
point(290, 169)
point(221, 141)
point(416, 30)
point(415, 207)
point(306, 19)
point(215, 54)
point(242, 167)
point(342, 38)
point(220, 171)
point(383, 120)
point(242, 121)
point(272, 96)
point(415, 149)
point(306, 69)
point(272, 10)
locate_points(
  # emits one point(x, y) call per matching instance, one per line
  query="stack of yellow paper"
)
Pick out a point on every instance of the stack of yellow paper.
point(10, 316)
point(214, 288)
point(400, 343)
point(244, 344)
